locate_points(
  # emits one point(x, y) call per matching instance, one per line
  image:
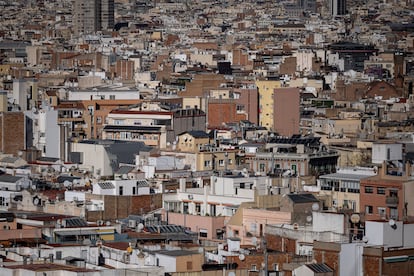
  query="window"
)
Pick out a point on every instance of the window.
point(394, 213)
point(203, 233)
point(381, 190)
point(112, 97)
point(189, 266)
point(134, 190)
point(368, 209)
point(121, 190)
point(198, 208)
point(207, 163)
point(212, 210)
point(381, 212)
point(99, 120)
point(242, 186)
point(369, 190)
point(236, 233)
point(253, 267)
point(262, 167)
point(240, 108)
point(221, 162)
point(185, 208)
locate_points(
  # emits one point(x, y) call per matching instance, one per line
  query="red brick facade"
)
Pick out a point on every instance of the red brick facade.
point(12, 132)
point(117, 207)
point(223, 111)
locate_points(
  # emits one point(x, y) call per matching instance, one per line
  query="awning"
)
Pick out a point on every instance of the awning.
point(396, 259)
point(76, 233)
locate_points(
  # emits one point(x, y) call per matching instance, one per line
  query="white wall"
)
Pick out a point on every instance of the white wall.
point(72, 195)
point(350, 259)
point(169, 263)
point(104, 95)
point(127, 187)
point(380, 152)
point(408, 235)
point(328, 222)
point(381, 233)
point(94, 156)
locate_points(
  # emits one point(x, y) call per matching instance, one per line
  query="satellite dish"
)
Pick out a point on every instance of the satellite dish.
point(33, 187)
point(66, 183)
point(98, 243)
point(141, 254)
point(86, 242)
point(355, 218)
point(242, 257)
point(36, 201)
point(392, 223)
point(309, 218)
point(140, 226)
point(315, 206)
point(365, 239)
point(108, 223)
point(254, 241)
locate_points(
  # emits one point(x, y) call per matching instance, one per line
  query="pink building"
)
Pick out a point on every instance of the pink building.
point(249, 223)
point(207, 227)
point(286, 111)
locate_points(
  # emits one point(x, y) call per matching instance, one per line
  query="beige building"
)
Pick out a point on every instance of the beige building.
point(266, 101)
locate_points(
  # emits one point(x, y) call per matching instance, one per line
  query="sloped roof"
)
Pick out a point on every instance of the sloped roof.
point(9, 159)
point(302, 198)
point(319, 268)
point(124, 170)
point(197, 133)
point(9, 178)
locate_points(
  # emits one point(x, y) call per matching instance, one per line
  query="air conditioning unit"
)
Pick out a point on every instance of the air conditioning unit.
point(132, 223)
point(190, 197)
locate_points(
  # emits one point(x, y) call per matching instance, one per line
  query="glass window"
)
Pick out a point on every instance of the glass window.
point(203, 233)
point(368, 209)
point(369, 189)
point(381, 190)
point(381, 212)
point(262, 167)
point(394, 213)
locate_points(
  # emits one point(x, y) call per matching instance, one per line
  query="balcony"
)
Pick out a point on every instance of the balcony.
point(391, 201)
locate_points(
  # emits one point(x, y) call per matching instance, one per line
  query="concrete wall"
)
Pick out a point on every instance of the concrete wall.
point(380, 152)
point(328, 222)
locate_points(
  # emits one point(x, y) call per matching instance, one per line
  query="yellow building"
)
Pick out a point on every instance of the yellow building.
point(266, 104)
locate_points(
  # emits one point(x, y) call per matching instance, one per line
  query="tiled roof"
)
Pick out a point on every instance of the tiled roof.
point(319, 268)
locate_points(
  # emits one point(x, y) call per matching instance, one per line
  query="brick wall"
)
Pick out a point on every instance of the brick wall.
point(257, 260)
point(12, 128)
point(281, 244)
point(117, 207)
point(223, 111)
point(328, 253)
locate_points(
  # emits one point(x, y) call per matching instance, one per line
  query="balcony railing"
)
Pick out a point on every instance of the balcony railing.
point(391, 200)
